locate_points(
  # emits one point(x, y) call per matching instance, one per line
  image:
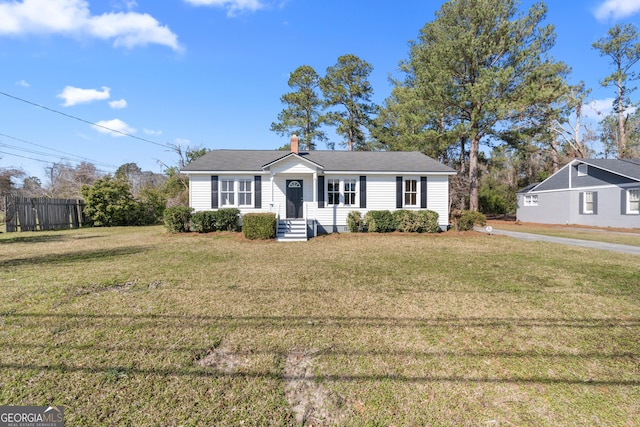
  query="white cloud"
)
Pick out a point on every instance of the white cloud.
point(119, 104)
point(107, 126)
point(75, 95)
point(73, 17)
point(598, 109)
point(616, 9)
point(23, 83)
point(232, 6)
point(152, 132)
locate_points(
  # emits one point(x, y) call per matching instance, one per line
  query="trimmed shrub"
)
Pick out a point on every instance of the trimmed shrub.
point(468, 219)
point(355, 222)
point(177, 218)
point(427, 221)
point(204, 221)
point(259, 226)
point(227, 219)
point(406, 221)
point(379, 221)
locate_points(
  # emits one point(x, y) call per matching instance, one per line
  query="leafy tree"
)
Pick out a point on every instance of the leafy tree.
point(481, 67)
point(302, 114)
point(346, 87)
point(109, 202)
point(622, 47)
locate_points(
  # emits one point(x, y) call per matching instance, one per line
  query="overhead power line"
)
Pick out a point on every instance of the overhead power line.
point(83, 120)
point(41, 160)
point(96, 162)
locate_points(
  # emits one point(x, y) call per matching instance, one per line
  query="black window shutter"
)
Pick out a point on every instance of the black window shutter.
point(623, 202)
point(581, 203)
point(595, 203)
point(423, 192)
point(257, 183)
point(398, 192)
point(363, 192)
point(214, 192)
point(321, 191)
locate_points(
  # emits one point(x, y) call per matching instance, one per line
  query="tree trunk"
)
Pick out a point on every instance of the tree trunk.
point(622, 137)
point(473, 173)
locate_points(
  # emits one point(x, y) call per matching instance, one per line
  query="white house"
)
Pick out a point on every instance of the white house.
point(314, 191)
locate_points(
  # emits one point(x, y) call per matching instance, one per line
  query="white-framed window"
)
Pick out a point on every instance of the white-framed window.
point(583, 169)
point(531, 200)
point(244, 192)
point(587, 207)
point(633, 201)
point(350, 192)
point(333, 191)
point(235, 191)
point(227, 192)
point(410, 192)
point(342, 191)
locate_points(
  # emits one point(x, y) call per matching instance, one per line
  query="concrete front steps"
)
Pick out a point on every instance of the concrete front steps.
point(292, 230)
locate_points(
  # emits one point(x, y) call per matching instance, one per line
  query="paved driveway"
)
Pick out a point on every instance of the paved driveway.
point(627, 249)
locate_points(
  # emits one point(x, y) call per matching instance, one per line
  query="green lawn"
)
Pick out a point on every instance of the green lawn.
point(135, 326)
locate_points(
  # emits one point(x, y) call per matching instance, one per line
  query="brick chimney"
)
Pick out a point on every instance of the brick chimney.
point(295, 146)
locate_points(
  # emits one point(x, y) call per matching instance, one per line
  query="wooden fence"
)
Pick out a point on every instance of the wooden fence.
point(40, 213)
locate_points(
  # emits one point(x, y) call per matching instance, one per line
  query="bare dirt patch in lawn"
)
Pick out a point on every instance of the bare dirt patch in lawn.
point(311, 402)
point(224, 359)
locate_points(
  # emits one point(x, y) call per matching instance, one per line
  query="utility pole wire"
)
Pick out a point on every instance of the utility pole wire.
point(82, 120)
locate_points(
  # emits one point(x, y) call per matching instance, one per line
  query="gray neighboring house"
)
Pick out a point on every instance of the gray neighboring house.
point(595, 192)
point(312, 192)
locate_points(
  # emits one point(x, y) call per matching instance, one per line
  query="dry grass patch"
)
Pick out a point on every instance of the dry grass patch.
point(140, 327)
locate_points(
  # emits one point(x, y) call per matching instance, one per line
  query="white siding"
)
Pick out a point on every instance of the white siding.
point(200, 192)
point(438, 197)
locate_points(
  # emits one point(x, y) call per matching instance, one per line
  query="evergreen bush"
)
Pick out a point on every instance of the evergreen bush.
point(227, 219)
point(469, 219)
point(204, 221)
point(427, 221)
point(177, 218)
point(259, 226)
point(379, 221)
point(355, 222)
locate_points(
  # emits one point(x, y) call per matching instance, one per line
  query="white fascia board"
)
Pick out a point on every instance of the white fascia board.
point(388, 173)
point(251, 172)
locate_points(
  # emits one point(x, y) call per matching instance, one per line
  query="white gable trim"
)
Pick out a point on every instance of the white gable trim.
point(298, 157)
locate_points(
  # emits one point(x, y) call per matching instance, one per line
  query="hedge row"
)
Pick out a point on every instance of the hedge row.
point(180, 219)
point(422, 221)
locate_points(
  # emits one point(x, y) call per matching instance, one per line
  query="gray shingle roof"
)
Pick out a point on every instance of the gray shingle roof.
point(338, 161)
point(626, 167)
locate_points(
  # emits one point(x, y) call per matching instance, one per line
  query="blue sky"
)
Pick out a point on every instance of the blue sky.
point(210, 72)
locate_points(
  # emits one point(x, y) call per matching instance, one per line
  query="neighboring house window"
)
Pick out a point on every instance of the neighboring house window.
point(349, 192)
point(244, 192)
point(633, 201)
point(531, 200)
point(410, 192)
point(588, 202)
point(333, 191)
point(582, 169)
point(227, 192)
